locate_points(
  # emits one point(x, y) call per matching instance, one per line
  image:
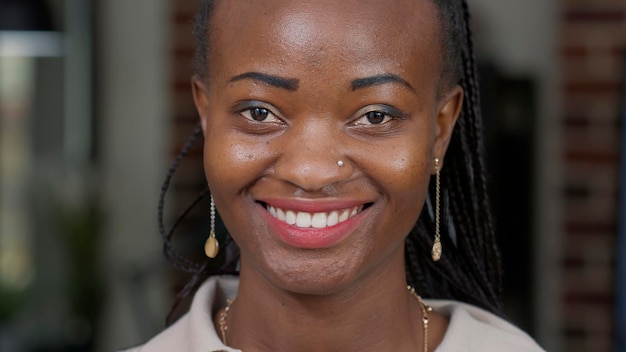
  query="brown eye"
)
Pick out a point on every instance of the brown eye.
point(375, 117)
point(259, 114)
point(378, 115)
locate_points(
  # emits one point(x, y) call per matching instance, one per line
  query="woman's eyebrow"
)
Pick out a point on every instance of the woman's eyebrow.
point(365, 82)
point(290, 84)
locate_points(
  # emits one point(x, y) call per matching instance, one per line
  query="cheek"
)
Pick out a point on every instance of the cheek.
point(231, 162)
point(398, 165)
point(231, 166)
point(402, 172)
point(410, 181)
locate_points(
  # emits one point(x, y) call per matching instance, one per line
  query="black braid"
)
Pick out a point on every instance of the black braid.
point(470, 269)
point(178, 261)
point(199, 270)
point(482, 185)
point(480, 159)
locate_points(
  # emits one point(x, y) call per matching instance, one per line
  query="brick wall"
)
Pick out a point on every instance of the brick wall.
point(593, 37)
point(189, 178)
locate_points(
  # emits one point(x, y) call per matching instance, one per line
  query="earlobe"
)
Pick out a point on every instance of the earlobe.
point(201, 100)
point(449, 112)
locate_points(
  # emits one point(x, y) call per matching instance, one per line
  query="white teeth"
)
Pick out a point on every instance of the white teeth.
point(303, 220)
point(315, 220)
point(290, 217)
point(333, 218)
point(280, 214)
point(318, 220)
point(344, 215)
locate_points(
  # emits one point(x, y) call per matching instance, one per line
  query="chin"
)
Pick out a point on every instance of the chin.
point(312, 273)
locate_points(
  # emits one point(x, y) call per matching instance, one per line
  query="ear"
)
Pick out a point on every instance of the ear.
point(448, 112)
point(201, 100)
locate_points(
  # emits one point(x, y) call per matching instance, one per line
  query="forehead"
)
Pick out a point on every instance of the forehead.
point(347, 35)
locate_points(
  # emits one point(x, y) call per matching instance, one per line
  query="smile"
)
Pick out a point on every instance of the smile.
point(317, 220)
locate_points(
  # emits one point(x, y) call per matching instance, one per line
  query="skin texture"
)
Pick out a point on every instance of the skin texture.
point(330, 57)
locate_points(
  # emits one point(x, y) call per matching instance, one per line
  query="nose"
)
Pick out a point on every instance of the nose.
point(313, 158)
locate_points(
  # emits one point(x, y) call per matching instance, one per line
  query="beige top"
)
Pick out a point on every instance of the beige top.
point(470, 328)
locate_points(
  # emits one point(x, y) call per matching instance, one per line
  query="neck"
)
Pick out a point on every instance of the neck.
point(377, 314)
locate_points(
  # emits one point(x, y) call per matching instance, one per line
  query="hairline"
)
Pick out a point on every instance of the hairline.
point(448, 75)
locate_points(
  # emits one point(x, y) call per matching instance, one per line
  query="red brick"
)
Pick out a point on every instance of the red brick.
point(591, 87)
point(591, 157)
point(616, 15)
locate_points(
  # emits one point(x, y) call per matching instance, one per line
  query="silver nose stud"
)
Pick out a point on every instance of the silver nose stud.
point(340, 163)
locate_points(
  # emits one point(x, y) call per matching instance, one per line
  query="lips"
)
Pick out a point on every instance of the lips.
point(318, 220)
point(313, 225)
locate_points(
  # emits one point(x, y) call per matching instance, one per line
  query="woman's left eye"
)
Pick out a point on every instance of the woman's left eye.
point(259, 114)
point(374, 118)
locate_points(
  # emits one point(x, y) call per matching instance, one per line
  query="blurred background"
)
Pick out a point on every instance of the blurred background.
point(95, 103)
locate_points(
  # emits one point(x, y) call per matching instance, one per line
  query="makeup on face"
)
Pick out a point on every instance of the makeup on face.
point(284, 109)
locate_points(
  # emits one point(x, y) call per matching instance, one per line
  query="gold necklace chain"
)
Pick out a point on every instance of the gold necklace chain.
point(222, 320)
point(423, 306)
point(425, 310)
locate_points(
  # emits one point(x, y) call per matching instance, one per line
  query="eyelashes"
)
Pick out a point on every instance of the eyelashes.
point(371, 115)
point(259, 114)
point(378, 115)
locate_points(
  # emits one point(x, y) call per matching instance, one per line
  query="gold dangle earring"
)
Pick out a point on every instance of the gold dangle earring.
point(437, 248)
point(211, 246)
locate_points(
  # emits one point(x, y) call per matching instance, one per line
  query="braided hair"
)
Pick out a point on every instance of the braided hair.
point(470, 270)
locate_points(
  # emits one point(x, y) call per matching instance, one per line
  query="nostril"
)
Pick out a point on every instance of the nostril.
point(312, 173)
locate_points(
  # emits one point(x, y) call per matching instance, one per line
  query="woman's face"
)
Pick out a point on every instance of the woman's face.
point(294, 87)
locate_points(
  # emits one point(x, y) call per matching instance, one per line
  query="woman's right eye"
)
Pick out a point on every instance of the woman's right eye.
point(259, 114)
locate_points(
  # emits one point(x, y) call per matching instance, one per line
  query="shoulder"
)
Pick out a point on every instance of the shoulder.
point(475, 329)
point(195, 331)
